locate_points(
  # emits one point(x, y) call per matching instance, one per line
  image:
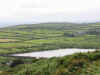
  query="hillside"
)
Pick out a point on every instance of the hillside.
point(48, 36)
point(77, 64)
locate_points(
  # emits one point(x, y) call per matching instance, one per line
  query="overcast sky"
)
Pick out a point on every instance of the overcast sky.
point(33, 11)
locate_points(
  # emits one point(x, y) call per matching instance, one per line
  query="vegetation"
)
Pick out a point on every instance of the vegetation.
point(77, 64)
point(49, 36)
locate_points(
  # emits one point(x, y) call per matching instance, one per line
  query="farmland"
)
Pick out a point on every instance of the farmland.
point(48, 36)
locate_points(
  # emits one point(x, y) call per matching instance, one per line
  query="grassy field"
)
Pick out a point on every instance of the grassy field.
point(77, 64)
point(48, 36)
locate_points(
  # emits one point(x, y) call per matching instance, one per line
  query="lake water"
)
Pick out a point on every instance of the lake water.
point(54, 53)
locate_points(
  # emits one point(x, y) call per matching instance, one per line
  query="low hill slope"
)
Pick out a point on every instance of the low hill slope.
point(77, 64)
point(48, 36)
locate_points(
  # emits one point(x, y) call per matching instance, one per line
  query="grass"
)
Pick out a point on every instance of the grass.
point(48, 36)
point(77, 64)
point(7, 40)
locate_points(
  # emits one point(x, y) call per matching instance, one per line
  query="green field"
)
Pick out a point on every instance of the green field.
point(48, 36)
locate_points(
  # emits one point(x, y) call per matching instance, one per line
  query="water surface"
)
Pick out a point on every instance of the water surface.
point(54, 53)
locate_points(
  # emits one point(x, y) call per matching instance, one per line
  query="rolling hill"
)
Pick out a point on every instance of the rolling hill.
point(48, 36)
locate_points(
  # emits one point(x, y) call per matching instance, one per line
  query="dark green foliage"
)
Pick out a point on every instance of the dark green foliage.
point(77, 64)
point(15, 63)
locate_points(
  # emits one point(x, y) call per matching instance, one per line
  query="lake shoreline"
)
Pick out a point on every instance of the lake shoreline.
point(52, 53)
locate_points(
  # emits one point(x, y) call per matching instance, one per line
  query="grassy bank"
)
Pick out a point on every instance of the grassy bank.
point(77, 64)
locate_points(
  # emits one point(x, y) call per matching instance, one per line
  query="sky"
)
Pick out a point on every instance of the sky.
point(35, 11)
